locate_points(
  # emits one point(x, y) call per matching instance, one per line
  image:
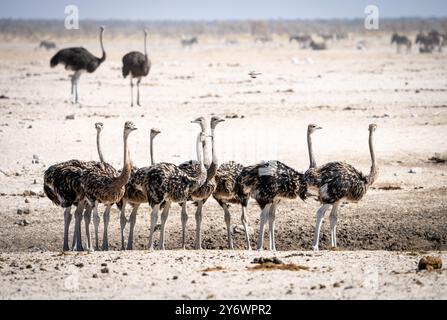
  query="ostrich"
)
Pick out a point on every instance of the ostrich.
point(338, 181)
point(137, 65)
point(189, 42)
point(134, 197)
point(165, 183)
point(269, 183)
point(62, 185)
point(201, 195)
point(401, 41)
point(79, 60)
point(47, 44)
point(102, 186)
point(302, 40)
point(225, 193)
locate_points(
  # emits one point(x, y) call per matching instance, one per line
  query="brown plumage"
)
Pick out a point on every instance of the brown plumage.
point(226, 192)
point(201, 194)
point(134, 197)
point(101, 186)
point(337, 181)
point(165, 183)
point(268, 183)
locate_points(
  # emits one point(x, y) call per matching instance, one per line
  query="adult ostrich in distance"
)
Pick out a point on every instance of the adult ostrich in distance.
point(78, 59)
point(137, 65)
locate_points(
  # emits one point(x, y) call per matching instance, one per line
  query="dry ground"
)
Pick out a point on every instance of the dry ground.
point(341, 89)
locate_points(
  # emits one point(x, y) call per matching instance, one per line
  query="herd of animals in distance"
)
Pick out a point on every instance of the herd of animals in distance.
point(86, 184)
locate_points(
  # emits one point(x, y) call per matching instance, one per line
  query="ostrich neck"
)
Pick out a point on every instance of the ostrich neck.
point(213, 147)
point(206, 158)
point(373, 173)
point(123, 178)
point(312, 163)
point(103, 58)
point(152, 150)
point(145, 45)
point(199, 153)
point(98, 146)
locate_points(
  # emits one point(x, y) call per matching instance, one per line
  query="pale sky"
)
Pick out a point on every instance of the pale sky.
point(220, 9)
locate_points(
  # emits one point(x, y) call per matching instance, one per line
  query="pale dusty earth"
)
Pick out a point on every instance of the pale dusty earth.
point(342, 89)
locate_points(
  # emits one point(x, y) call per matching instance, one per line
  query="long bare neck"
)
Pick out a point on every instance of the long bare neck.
point(374, 170)
point(199, 153)
point(103, 58)
point(123, 178)
point(145, 44)
point(312, 163)
point(206, 158)
point(212, 169)
point(98, 146)
point(152, 150)
point(213, 146)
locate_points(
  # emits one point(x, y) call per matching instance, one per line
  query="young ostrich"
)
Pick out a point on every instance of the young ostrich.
point(269, 183)
point(79, 60)
point(226, 193)
point(201, 195)
point(135, 198)
point(338, 181)
point(165, 183)
point(137, 65)
point(101, 186)
point(62, 185)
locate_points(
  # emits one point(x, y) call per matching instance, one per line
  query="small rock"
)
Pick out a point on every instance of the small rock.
point(19, 211)
point(430, 263)
point(22, 222)
point(26, 201)
point(30, 126)
point(70, 117)
point(415, 170)
point(124, 273)
point(232, 116)
point(26, 211)
point(79, 264)
point(103, 264)
point(174, 277)
point(105, 270)
point(94, 275)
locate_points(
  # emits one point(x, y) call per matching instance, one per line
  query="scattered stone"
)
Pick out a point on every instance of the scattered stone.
point(322, 286)
point(210, 269)
point(439, 158)
point(336, 285)
point(232, 116)
point(95, 276)
point(22, 222)
point(174, 277)
point(3, 97)
point(105, 270)
point(70, 117)
point(103, 264)
point(261, 260)
point(26, 201)
point(414, 170)
point(30, 126)
point(19, 211)
point(28, 266)
point(430, 263)
point(79, 264)
point(125, 274)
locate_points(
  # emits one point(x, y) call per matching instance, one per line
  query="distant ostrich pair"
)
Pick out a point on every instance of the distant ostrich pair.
point(79, 60)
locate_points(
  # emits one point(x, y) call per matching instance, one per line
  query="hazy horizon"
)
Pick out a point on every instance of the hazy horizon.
point(203, 10)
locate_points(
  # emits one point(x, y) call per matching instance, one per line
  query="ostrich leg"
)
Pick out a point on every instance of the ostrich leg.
point(138, 92)
point(96, 221)
point(333, 218)
point(164, 218)
point(184, 218)
point(244, 223)
point(198, 242)
point(76, 80)
point(154, 218)
point(78, 219)
point(263, 220)
point(67, 220)
point(320, 215)
point(87, 219)
point(272, 215)
point(228, 223)
point(131, 92)
point(105, 238)
point(132, 220)
point(123, 222)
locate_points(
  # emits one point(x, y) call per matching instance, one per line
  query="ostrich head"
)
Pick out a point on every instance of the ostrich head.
point(102, 28)
point(214, 121)
point(311, 128)
point(200, 121)
point(372, 127)
point(145, 32)
point(154, 132)
point(99, 126)
point(129, 127)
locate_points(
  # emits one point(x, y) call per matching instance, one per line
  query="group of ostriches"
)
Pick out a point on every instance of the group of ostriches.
point(78, 59)
point(86, 184)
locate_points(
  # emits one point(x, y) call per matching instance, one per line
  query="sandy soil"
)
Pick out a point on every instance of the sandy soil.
point(341, 89)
